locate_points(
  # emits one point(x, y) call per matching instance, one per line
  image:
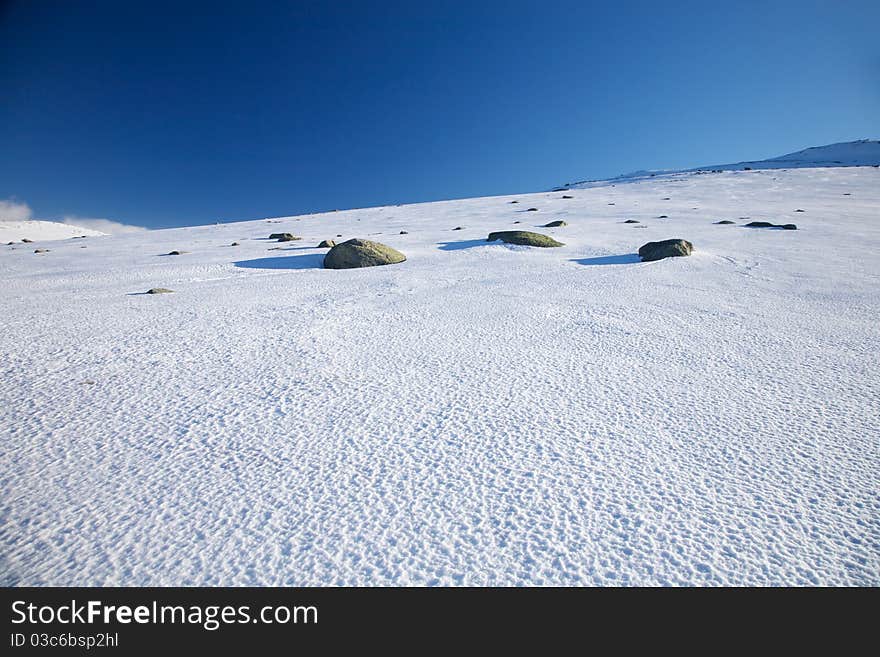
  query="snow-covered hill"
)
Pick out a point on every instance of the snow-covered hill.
point(42, 231)
point(479, 414)
point(864, 152)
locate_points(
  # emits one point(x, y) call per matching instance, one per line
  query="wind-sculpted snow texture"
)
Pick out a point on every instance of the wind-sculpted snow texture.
point(481, 414)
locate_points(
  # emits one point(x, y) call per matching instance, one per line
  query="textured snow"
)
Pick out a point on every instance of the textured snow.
point(481, 414)
point(42, 231)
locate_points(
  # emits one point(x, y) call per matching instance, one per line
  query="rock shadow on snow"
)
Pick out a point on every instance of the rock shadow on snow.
point(306, 261)
point(623, 259)
point(463, 244)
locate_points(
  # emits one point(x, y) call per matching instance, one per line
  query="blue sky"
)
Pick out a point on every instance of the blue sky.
point(171, 113)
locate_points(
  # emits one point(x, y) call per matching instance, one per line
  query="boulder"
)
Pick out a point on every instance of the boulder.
point(327, 244)
point(556, 224)
point(665, 249)
point(524, 238)
point(632, 221)
point(532, 210)
point(357, 253)
point(159, 290)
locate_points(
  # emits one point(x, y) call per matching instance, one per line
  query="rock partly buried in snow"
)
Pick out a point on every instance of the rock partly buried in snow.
point(665, 249)
point(403, 232)
point(767, 224)
point(159, 290)
point(177, 252)
point(361, 253)
point(288, 237)
point(567, 196)
point(235, 244)
point(26, 240)
point(725, 222)
point(556, 224)
point(632, 221)
point(524, 238)
point(532, 210)
point(327, 244)
point(41, 250)
point(458, 228)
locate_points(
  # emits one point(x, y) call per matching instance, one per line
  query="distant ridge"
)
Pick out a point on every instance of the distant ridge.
point(864, 152)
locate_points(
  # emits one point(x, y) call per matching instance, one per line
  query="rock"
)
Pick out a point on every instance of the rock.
point(759, 224)
point(556, 224)
point(524, 238)
point(41, 250)
point(159, 290)
point(747, 168)
point(517, 222)
point(725, 221)
point(632, 221)
point(339, 236)
point(9, 243)
point(564, 196)
point(799, 210)
point(532, 210)
point(665, 249)
point(665, 198)
point(458, 228)
point(361, 253)
point(177, 252)
point(275, 236)
point(288, 237)
point(26, 240)
point(327, 244)
point(663, 216)
point(788, 227)
point(403, 232)
point(235, 244)
point(514, 201)
point(612, 204)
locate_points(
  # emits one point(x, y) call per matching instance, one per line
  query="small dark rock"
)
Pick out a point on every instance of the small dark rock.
point(788, 227)
point(403, 232)
point(288, 237)
point(759, 224)
point(177, 252)
point(665, 249)
point(514, 201)
point(26, 240)
point(564, 196)
point(747, 168)
point(458, 228)
point(632, 221)
point(725, 221)
point(159, 290)
point(532, 210)
point(41, 250)
point(235, 244)
point(663, 216)
point(556, 224)
point(799, 210)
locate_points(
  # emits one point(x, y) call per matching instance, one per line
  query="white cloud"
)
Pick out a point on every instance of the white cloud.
point(14, 211)
point(102, 225)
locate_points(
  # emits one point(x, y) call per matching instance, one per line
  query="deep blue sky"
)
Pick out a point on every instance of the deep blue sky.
point(177, 113)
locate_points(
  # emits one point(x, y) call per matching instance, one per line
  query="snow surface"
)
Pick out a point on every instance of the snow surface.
point(864, 152)
point(42, 231)
point(481, 414)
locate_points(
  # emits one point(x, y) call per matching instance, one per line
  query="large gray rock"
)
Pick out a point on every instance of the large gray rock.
point(524, 238)
point(361, 253)
point(665, 249)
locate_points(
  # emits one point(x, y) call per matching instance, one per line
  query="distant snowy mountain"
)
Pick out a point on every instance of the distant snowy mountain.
point(42, 231)
point(864, 152)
